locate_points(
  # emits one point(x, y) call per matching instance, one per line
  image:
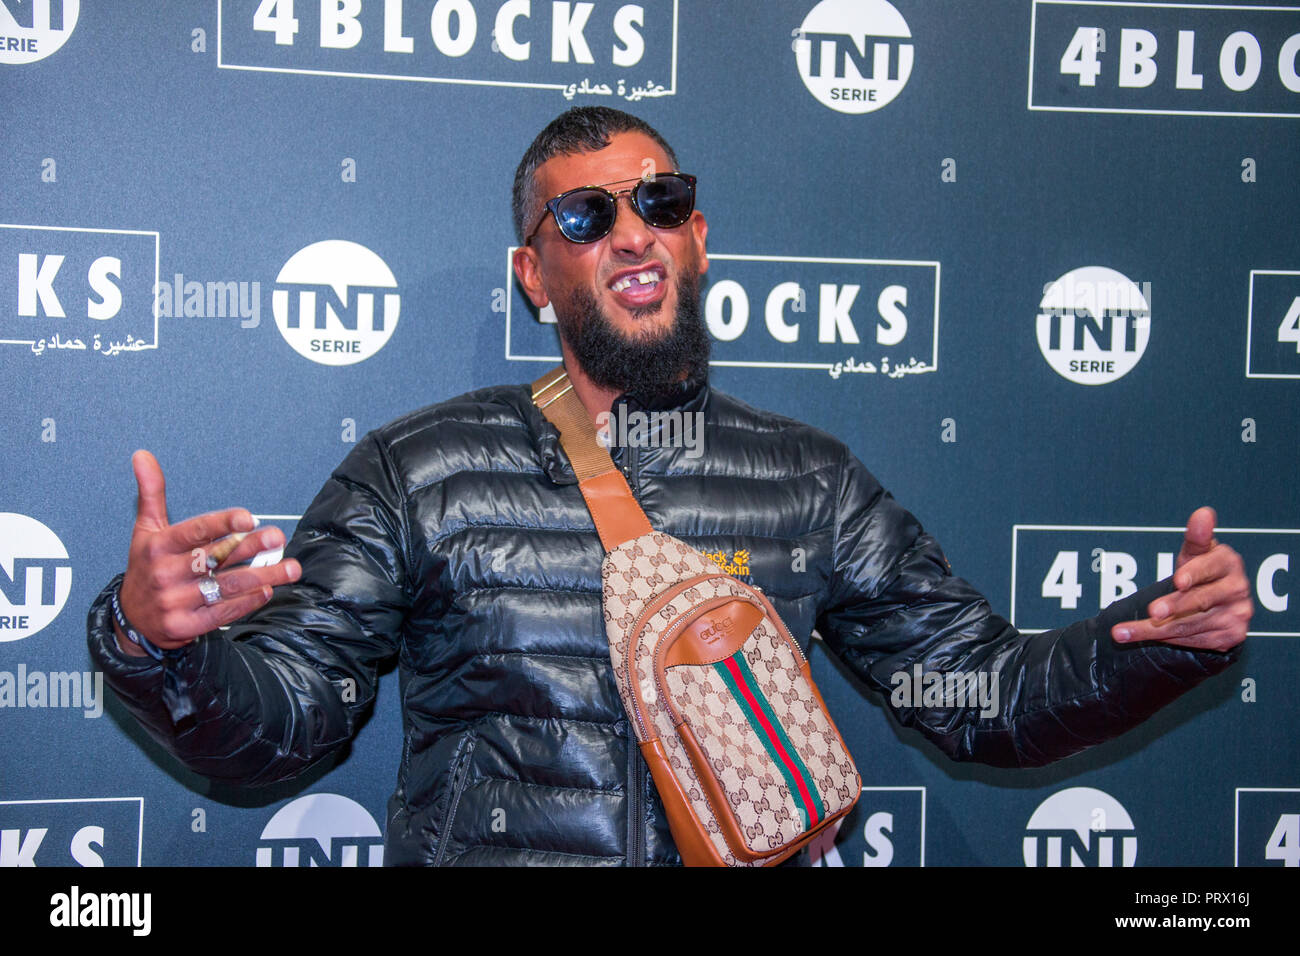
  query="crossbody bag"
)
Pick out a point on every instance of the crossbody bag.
point(745, 757)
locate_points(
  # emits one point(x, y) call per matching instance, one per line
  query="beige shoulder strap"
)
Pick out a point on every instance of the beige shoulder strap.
point(617, 515)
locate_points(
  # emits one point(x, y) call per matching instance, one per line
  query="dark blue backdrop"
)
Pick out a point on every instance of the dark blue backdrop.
point(988, 150)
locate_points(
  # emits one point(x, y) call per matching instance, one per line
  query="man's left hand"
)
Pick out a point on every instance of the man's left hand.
point(1211, 606)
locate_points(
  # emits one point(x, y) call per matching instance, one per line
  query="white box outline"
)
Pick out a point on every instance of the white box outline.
point(1250, 319)
point(922, 789)
point(672, 90)
point(1033, 27)
point(139, 846)
point(824, 366)
point(1017, 528)
point(1236, 813)
point(153, 291)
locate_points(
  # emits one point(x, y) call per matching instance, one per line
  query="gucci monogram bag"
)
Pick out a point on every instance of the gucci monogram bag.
point(746, 759)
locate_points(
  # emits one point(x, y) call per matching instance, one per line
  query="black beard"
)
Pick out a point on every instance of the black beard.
point(654, 370)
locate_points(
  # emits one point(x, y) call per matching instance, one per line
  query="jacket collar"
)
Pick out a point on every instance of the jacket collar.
point(546, 437)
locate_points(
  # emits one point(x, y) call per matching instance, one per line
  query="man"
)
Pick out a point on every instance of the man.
point(456, 539)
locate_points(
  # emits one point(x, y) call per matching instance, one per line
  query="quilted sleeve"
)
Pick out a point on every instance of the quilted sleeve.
point(895, 613)
point(290, 683)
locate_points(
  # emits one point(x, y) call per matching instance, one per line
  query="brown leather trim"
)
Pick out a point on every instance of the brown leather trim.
point(693, 843)
point(633, 637)
point(617, 515)
point(715, 635)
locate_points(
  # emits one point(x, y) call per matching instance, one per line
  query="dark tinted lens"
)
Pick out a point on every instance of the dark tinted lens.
point(665, 201)
point(586, 216)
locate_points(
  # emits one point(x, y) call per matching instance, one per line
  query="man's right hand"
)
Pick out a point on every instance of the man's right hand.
point(160, 594)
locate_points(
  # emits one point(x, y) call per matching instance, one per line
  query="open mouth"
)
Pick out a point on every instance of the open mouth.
point(640, 287)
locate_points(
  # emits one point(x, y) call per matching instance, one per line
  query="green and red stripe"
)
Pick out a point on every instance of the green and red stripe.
point(735, 673)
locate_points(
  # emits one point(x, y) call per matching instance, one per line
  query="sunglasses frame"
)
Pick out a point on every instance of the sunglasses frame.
point(552, 205)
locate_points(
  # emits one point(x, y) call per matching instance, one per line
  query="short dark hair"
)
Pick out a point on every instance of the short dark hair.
point(583, 129)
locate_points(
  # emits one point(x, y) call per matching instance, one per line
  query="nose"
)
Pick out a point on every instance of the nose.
point(631, 237)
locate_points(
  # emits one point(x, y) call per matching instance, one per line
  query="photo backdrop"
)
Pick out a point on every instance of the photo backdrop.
point(1034, 261)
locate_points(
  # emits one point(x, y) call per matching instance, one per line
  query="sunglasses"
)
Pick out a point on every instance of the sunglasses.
point(587, 213)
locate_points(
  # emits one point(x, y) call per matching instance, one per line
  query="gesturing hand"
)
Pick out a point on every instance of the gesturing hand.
point(1211, 607)
point(161, 595)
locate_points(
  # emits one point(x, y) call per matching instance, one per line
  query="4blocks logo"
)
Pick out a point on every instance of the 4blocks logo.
point(1273, 324)
point(838, 317)
point(1060, 573)
point(104, 831)
point(886, 828)
point(81, 289)
point(1267, 827)
point(1165, 58)
point(600, 48)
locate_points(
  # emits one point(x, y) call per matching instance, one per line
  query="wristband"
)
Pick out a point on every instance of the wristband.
point(138, 639)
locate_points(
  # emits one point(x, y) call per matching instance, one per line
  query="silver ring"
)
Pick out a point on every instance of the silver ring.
point(210, 588)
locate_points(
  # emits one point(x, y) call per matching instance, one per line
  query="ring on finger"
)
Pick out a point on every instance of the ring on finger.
point(210, 588)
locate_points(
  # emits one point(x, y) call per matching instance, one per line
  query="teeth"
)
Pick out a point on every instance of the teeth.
point(649, 277)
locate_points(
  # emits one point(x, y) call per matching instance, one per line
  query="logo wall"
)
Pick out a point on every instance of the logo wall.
point(1093, 325)
point(31, 30)
point(336, 302)
point(853, 55)
point(35, 576)
point(1080, 826)
point(321, 829)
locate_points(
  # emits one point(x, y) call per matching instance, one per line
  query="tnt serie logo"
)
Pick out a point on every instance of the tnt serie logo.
point(97, 832)
point(1080, 826)
point(321, 829)
point(336, 302)
point(31, 30)
point(853, 55)
point(1093, 325)
point(35, 576)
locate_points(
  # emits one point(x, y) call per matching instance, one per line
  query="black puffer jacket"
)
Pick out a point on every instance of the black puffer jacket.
point(456, 539)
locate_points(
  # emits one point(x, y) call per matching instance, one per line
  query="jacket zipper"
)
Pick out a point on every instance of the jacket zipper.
point(632, 462)
point(459, 777)
point(636, 803)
